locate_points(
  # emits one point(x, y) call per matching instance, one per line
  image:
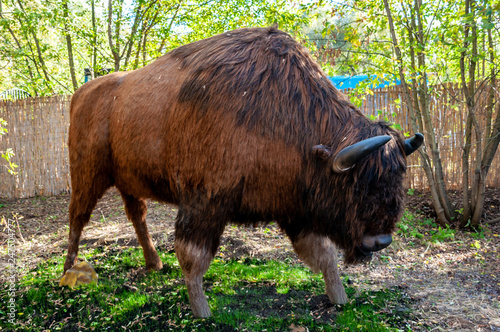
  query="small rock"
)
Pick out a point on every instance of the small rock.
point(80, 274)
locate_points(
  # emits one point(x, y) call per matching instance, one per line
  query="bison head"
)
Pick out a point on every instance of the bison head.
point(366, 196)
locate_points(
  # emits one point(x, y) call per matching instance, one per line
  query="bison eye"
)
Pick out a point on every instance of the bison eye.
point(322, 151)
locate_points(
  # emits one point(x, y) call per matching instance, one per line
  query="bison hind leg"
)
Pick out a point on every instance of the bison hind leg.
point(83, 200)
point(136, 210)
point(320, 254)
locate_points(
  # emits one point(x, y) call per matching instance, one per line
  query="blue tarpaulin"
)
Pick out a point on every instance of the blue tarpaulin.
point(350, 82)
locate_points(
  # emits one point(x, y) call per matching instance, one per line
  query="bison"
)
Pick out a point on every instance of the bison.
point(242, 127)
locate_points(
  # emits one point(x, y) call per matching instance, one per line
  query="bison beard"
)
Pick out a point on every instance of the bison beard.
point(241, 127)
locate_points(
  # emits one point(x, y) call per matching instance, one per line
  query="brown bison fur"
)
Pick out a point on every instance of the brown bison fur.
point(224, 127)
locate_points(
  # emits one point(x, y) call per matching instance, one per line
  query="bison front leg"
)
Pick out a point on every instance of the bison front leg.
point(194, 261)
point(136, 210)
point(196, 241)
point(320, 254)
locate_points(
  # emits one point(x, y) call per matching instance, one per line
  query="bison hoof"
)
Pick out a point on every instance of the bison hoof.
point(338, 297)
point(154, 266)
point(69, 263)
point(202, 313)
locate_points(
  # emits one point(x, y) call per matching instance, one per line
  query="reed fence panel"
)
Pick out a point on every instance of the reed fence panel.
point(37, 133)
point(449, 115)
point(38, 130)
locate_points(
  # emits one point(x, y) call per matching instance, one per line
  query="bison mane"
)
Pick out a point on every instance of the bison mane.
point(268, 81)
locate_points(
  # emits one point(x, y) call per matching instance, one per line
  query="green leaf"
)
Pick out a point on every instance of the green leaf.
point(488, 25)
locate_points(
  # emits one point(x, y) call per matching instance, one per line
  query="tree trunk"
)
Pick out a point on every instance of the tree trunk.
point(465, 174)
point(492, 138)
point(473, 206)
point(94, 41)
point(474, 95)
point(139, 48)
point(38, 48)
point(69, 45)
point(417, 112)
point(424, 98)
point(137, 19)
point(162, 44)
point(115, 48)
point(492, 129)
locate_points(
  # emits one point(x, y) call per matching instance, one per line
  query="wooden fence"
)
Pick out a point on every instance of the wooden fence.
point(37, 133)
point(449, 115)
point(38, 129)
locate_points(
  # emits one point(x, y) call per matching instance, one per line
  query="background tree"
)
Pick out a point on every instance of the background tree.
point(428, 45)
point(46, 44)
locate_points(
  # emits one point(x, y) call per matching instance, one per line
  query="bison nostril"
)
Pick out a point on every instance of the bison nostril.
point(383, 241)
point(376, 243)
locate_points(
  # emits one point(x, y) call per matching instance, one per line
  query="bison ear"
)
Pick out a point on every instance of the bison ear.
point(349, 156)
point(412, 144)
point(322, 151)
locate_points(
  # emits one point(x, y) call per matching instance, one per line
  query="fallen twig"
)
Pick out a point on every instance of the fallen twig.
point(493, 221)
point(19, 229)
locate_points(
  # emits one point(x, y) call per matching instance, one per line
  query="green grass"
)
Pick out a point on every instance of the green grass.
point(250, 294)
point(425, 229)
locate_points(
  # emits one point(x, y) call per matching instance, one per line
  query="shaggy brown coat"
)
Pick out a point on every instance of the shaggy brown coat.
point(224, 127)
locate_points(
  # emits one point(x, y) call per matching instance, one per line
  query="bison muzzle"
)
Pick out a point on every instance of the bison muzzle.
point(242, 127)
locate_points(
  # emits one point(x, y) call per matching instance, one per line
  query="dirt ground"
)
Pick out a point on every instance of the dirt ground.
point(421, 201)
point(453, 285)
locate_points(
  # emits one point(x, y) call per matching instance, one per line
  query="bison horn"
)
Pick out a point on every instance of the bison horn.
point(412, 144)
point(350, 155)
